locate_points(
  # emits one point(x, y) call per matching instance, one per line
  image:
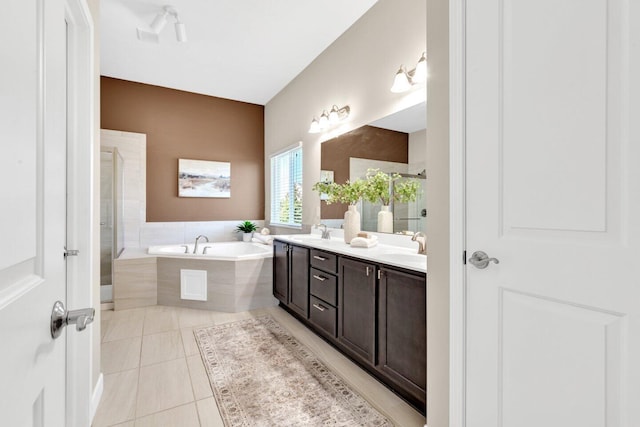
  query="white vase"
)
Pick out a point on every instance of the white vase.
point(385, 220)
point(351, 223)
point(246, 237)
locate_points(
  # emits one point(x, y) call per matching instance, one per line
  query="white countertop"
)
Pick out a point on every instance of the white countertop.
point(381, 253)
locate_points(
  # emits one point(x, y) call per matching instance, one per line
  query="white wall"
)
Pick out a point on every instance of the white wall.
point(438, 213)
point(417, 151)
point(358, 70)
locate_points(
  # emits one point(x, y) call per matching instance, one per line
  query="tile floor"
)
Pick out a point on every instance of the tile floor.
point(154, 376)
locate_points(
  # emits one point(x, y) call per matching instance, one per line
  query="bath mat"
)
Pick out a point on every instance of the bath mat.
point(262, 376)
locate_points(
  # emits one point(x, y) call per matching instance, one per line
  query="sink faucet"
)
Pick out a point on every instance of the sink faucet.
point(195, 248)
point(421, 238)
point(326, 234)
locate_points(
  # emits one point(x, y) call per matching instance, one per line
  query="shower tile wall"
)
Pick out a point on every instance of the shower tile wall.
point(106, 217)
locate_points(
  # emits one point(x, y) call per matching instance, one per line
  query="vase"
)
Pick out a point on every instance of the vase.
point(246, 237)
point(385, 220)
point(351, 223)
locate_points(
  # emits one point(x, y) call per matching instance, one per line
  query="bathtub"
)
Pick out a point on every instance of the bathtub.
point(221, 251)
point(238, 277)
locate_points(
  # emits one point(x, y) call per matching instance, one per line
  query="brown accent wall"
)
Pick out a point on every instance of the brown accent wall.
point(366, 142)
point(191, 126)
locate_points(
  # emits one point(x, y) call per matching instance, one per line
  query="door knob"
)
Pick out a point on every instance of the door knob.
point(481, 260)
point(60, 318)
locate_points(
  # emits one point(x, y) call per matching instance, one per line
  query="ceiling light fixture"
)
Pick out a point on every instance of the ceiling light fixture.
point(158, 25)
point(404, 79)
point(334, 116)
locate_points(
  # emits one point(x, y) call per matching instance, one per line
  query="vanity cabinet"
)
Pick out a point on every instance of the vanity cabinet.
point(372, 312)
point(357, 308)
point(402, 330)
point(323, 287)
point(291, 276)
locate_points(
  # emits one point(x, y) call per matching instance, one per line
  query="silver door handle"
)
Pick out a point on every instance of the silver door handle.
point(481, 260)
point(60, 318)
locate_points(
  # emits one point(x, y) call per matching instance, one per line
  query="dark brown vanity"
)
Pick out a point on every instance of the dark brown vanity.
point(374, 313)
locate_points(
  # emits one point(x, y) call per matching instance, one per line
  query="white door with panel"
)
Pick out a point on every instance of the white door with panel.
point(553, 192)
point(32, 219)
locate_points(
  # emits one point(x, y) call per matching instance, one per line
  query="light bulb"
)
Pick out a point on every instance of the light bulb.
point(334, 116)
point(420, 73)
point(401, 82)
point(181, 32)
point(159, 22)
point(324, 120)
point(315, 126)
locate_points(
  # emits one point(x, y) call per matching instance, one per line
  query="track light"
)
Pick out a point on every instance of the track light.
point(404, 79)
point(335, 115)
point(158, 24)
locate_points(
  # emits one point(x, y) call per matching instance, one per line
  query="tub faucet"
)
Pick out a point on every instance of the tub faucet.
point(326, 234)
point(421, 238)
point(195, 248)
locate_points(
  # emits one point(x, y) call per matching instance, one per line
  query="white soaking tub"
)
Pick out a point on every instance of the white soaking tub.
point(222, 250)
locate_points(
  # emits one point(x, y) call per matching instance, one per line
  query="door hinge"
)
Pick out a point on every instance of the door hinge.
point(71, 252)
point(464, 257)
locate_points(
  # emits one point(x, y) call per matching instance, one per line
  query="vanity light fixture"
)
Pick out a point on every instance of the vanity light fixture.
point(158, 25)
point(334, 116)
point(404, 79)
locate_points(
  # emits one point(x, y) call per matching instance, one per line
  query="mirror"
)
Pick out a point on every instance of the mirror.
point(396, 143)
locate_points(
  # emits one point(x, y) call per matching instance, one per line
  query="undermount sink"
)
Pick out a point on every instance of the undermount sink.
point(403, 257)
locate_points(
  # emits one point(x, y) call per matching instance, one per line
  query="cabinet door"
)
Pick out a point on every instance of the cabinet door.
point(281, 271)
point(299, 280)
point(357, 308)
point(402, 330)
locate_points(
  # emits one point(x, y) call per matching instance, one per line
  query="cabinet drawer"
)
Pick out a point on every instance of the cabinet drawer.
point(324, 286)
point(323, 315)
point(324, 261)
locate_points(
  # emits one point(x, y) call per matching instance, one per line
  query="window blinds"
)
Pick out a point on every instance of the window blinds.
point(286, 188)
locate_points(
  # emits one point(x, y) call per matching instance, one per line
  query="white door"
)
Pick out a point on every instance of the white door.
point(553, 192)
point(32, 214)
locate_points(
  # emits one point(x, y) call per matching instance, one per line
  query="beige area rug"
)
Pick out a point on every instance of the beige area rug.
point(262, 376)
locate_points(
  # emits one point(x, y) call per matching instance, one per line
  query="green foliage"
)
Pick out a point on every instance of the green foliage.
point(285, 206)
point(406, 191)
point(246, 227)
point(349, 192)
point(377, 186)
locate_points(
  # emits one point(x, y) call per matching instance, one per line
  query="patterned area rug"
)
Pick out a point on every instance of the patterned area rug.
point(262, 376)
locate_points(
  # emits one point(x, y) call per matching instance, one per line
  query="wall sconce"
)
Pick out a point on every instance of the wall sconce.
point(158, 24)
point(334, 116)
point(405, 79)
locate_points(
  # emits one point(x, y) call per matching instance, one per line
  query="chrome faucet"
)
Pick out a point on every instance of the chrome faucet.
point(421, 238)
point(195, 248)
point(326, 234)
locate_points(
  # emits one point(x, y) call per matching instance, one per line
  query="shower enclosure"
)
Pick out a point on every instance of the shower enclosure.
point(111, 218)
point(407, 217)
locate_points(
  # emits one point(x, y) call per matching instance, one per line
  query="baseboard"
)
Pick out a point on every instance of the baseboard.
point(96, 396)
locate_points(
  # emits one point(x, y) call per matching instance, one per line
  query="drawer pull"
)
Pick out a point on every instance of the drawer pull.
point(319, 307)
point(319, 258)
point(322, 279)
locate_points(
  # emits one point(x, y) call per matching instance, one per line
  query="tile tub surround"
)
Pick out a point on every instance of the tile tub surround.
point(232, 286)
point(135, 283)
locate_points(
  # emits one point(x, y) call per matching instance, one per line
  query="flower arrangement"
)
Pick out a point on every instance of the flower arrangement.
point(349, 192)
point(375, 188)
point(378, 186)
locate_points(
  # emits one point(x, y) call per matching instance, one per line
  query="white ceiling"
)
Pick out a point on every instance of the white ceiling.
point(247, 50)
point(409, 120)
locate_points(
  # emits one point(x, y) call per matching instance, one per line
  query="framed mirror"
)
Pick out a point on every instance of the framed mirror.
point(392, 144)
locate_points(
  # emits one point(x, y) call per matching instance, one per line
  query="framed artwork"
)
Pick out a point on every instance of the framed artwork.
point(325, 176)
point(203, 178)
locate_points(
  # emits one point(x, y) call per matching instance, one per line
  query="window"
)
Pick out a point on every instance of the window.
point(286, 187)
